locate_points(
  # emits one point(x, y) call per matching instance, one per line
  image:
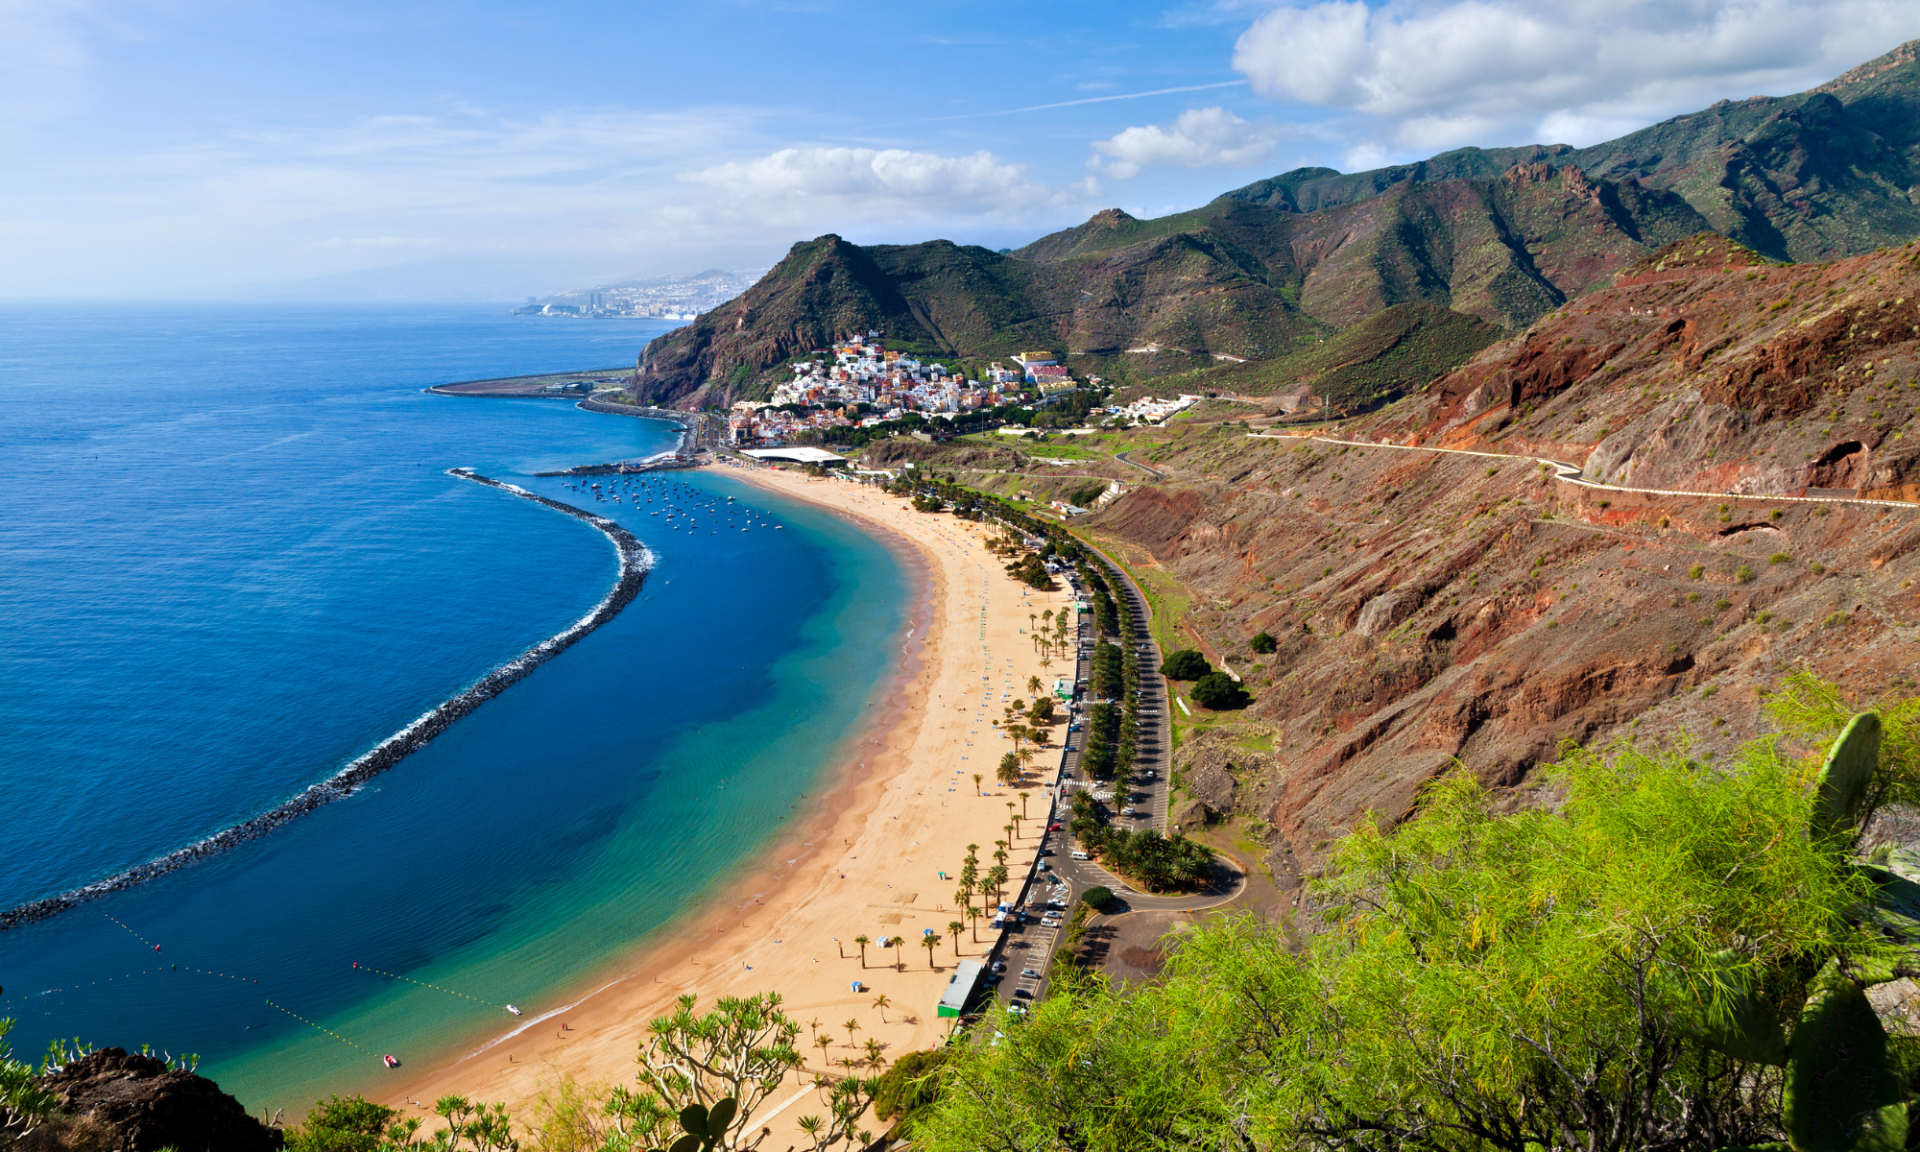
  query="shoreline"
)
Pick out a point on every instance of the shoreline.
point(635, 562)
point(772, 924)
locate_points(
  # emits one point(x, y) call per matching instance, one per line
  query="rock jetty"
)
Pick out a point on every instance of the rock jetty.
point(635, 560)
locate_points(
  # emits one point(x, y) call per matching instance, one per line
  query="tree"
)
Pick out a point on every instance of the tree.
point(1186, 664)
point(742, 1050)
point(1009, 770)
point(973, 919)
point(852, 1026)
point(1034, 685)
point(1023, 803)
point(863, 942)
point(1042, 710)
point(1097, 898)
point(1263, 643)
point(930, 942)
point(976, 783)
point(954, 928)
point(1218, 691)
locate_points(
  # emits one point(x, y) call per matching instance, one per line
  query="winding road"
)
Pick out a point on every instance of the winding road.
point(1574, 474)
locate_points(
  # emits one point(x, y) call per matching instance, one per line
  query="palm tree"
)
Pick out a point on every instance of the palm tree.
point(1023, 803)
point(976, 784)
point(1015, 826)
point(929, 943)
point(863, 942)
point(973, 918)
point(852, 1026)
point(1034, 685)
point(998, 878)
point(874, 1059)
point(953, 930)
point(882, 1003)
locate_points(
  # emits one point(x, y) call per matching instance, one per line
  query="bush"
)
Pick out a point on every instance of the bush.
point(1264, 643)
point(912, 1084)
point(1098, 898)
point(1042, 710)
point(1779, 558)
point(1743, 575)
point(1695, 572)
point(1185, 664)
point(1217, 690)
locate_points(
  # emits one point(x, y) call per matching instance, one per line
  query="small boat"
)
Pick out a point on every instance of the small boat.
point(390, 1062)
point(513, 1010)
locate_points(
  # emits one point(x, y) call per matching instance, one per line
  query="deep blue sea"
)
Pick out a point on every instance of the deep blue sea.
point(231, 562)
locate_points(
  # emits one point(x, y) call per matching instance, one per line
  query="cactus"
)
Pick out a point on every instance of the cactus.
point(1842, 1092)
point(705, 1127)
point(1735, 1018)
point(1842, 787)
point(1842, 1095)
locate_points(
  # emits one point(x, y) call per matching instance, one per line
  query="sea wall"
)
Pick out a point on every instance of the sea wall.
point(635, 561)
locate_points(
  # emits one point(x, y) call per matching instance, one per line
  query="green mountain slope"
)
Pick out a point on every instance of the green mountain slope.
point(1394, 352)
point(1504, 235)
point(1814, 176)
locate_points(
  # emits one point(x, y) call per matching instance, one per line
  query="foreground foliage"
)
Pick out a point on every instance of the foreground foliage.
point(1672, 959)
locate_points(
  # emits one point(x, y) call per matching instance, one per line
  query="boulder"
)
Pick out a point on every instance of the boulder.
point(146, 1106)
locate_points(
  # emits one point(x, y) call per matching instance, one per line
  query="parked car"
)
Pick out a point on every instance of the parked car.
point(1029, 974)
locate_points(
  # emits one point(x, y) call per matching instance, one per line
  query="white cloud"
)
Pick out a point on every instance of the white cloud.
point(1439, 73)
point(1199, 138)
point(807, 184)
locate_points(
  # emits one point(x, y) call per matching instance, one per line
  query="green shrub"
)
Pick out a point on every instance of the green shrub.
point(1779, 558)
point(1743, 575)
point(1186, 664)
point(1218, 691)
point(1695, 572)
point(1263, 643)
point(1099, 898)
point(907, 1088)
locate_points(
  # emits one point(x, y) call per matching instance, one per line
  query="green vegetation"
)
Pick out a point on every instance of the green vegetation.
point(907, 1089)
point(1099, 898)
point(1219, 691)
point(1263, 643)
point(1186, 664)
point(1391, 353)
point(1630, 970)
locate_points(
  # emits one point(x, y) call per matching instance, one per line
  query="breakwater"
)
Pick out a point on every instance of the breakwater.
point(635, 560)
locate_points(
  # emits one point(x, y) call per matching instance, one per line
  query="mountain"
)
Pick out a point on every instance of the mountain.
point(1825, 173)
point(1269, 270)
point(1440, 608)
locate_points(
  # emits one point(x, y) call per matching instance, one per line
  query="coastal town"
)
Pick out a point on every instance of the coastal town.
point(861, 383)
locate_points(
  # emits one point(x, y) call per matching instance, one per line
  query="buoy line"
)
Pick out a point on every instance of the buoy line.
point(635, 562)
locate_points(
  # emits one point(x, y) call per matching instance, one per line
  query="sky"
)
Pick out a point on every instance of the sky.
point(430, 149)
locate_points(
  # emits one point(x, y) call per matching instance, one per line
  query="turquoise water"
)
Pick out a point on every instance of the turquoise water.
point(230, 562)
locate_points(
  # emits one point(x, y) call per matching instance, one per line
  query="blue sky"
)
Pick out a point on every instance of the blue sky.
point(180, 148)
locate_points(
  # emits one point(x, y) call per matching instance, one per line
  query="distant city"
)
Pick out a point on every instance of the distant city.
point(663, 298)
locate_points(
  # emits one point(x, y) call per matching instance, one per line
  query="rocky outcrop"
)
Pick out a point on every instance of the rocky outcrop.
point(142, 1105)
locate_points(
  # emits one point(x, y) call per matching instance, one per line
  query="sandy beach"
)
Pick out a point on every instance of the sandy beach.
point(867, 861)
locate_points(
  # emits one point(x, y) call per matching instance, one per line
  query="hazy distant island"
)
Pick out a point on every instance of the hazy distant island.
point(661, 298)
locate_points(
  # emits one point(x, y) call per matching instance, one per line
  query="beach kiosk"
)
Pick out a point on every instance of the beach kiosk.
point(960, 988)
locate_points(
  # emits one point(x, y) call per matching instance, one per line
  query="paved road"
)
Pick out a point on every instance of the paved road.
point(1153, 472)
point(1031, 947)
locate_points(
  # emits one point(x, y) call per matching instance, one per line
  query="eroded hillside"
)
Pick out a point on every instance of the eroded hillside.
point(1432, 606)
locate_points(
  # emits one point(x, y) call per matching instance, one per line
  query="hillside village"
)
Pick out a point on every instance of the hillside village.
point(861, 383)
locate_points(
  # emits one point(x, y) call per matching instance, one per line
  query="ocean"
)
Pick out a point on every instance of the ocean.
point(231, 561)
